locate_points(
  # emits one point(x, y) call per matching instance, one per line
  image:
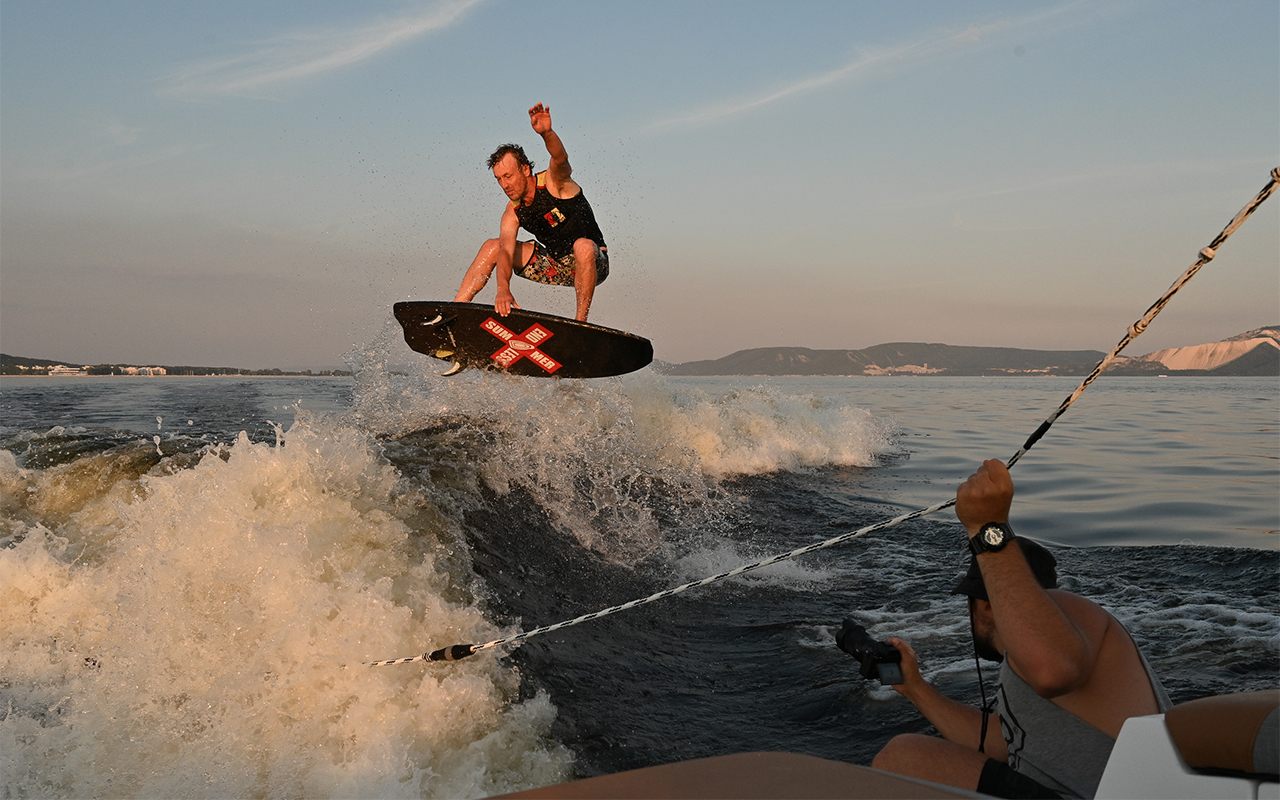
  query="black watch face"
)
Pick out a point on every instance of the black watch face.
point(992, 535)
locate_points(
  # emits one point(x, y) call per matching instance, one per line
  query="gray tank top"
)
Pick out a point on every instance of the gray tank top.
point(1053, 746)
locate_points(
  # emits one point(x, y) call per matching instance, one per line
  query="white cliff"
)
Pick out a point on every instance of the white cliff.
point(1215, 354)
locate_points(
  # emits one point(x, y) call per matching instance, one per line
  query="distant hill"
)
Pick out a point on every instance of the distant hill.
point(19, 361)
point(21, 365)
point(1253, 353)
point(897, 358)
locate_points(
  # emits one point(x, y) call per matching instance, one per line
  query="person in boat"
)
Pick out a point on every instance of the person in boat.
point(1070, 674)
point(568, 248)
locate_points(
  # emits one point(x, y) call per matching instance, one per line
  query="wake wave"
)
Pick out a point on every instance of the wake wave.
point(175, 614)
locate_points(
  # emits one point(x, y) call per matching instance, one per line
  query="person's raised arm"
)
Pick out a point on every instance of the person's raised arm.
point(559, 171)
point(1052, 648)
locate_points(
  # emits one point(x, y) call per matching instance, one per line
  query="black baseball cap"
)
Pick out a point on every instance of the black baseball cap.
point(1043, 565)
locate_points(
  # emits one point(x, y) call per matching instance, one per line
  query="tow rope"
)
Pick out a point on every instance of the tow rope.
point(459, 651)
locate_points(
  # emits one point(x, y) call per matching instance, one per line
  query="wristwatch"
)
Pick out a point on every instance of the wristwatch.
point(991, 538)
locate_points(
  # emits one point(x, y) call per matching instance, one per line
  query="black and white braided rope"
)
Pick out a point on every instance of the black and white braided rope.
point(460, 651)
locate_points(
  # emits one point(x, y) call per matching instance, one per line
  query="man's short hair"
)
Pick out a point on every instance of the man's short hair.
point(1043, 565)
point(512, 149)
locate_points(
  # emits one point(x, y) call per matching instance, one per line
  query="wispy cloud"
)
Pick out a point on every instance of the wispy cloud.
point(287, 59)
point(933, 45)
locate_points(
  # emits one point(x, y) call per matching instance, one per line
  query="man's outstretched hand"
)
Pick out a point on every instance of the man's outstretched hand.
point(540, 118)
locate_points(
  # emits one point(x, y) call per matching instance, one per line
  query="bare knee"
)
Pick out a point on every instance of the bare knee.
point(932, 759)
point(901, 750)
point(585, 250)
point(584, 258)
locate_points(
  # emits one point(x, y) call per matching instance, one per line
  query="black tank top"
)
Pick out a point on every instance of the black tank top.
point(558, 222)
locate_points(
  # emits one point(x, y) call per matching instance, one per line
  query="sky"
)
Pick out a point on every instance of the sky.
point(255, 184)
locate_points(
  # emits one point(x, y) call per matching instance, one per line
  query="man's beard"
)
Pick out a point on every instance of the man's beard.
point(982, 644)
point(985, 649)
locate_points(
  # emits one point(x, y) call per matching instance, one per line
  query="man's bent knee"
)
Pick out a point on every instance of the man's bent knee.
point(903, 748)
point(585, 251)
point(590, 262)
point(932, 759)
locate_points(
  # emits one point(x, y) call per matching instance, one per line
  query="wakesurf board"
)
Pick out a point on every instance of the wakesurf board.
point(530, 343)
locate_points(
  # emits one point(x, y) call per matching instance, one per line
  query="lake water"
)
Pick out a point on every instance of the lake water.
point(185, 608)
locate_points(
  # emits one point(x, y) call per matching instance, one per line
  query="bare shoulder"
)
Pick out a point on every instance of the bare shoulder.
point(1092, 619)
point(1070, 603)
point(1111, 642)
point(510, 222)
point(562, 188)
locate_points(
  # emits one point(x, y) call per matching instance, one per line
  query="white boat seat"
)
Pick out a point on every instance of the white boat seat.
point(1221, 748)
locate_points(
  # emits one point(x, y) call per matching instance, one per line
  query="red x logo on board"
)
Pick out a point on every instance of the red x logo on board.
point(520, 346)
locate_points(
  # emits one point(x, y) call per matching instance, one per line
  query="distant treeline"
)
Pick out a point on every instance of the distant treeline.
point(19, 365)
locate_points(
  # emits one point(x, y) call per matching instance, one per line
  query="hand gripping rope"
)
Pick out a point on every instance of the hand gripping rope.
point(460, 651)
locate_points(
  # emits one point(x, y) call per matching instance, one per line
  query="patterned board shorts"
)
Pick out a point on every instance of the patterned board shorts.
point(559, 272)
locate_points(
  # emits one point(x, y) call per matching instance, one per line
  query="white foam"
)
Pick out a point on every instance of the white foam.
point(725, 556)
point(598, 456)
point(757, 430)
point(185, 634)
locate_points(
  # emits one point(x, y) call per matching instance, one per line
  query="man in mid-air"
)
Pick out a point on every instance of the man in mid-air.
point(569, 249)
